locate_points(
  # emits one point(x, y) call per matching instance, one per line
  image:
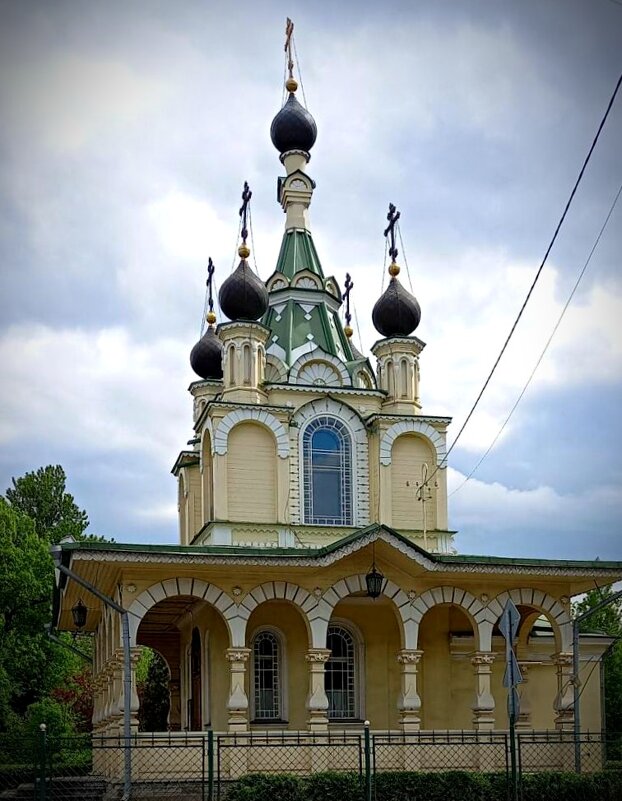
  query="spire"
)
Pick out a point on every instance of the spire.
point(396, 313)
point(243, 296)
point(293, 128)
point(206, 355)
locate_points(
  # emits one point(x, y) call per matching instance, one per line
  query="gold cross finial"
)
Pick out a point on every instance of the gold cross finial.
point(289, 32)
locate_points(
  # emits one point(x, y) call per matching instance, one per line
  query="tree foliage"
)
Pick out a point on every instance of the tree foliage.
point(36, 512)
point(42, 496)
point(155, 697)
point(607, 620)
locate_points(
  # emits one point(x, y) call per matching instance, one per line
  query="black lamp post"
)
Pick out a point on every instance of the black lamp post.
point(78, 612)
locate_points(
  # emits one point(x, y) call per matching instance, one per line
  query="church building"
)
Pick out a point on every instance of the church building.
point(316, 584)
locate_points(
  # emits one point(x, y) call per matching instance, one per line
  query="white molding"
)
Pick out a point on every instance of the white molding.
point(318, 355)
point(261, 416)
point(412, 427)
point(201, 590)
point(543, 602)
point(356, 583)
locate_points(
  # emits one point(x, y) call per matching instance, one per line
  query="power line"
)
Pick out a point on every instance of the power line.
point(536, 278)
point(548, 342)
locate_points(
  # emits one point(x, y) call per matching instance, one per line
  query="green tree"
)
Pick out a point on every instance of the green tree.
point(43, 497)
point(607, 620)
point(30, 664)
point(155, 698)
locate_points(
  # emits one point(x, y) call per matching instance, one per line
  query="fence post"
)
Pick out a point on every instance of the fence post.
point(367, 763)
point(42, 760)
point(210, 765)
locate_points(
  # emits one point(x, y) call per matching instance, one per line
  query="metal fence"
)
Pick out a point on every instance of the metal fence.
point(486, 752)
point(203, 766)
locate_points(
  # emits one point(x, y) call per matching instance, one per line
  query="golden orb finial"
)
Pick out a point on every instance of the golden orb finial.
point(348, 331)
point(291, 84)
point(244, 251)
point(210, 317)
point(394, 269)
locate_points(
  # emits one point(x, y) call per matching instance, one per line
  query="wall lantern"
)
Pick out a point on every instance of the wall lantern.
point(78, 612)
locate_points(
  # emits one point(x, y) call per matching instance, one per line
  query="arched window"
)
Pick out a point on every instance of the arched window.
point(340, 677)
point(327, 462)
point(267, 677)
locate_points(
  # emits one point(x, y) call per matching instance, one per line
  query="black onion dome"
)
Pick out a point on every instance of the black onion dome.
point(293, 128)
point(243, 296)
point(396, 313)
point(206, 356)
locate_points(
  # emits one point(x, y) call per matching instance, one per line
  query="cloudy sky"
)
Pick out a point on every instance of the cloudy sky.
point(127, 131)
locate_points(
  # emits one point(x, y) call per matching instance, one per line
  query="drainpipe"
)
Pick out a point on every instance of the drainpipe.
point(56, 552)
point(67, 645)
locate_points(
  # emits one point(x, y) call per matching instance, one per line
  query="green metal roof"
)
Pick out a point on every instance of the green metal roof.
point(293, 326)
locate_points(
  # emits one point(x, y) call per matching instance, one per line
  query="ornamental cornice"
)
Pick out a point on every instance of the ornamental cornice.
point(299, 560)
point(312, 389)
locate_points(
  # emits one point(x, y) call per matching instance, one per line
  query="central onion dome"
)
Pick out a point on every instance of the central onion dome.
point(243, 296)
point(396, 313)
point(206, 356)
point(293, 128)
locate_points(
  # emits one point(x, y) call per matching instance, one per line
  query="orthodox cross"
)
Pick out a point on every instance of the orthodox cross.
point(346, 296)
point(289, 32)
point(208, 284)
point(393, 216)
point(246, 197)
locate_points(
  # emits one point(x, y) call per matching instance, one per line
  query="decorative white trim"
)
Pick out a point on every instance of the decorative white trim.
point(231, 419)
point(306, 279)
point(235, 617)
point(318, 355)
point(412, 427)
point(540, 600)
point(360, 459)
point(279, 367)
point(351, 584)
point(470, 605)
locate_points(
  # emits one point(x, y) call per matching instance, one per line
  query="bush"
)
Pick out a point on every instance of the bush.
point(448, 786)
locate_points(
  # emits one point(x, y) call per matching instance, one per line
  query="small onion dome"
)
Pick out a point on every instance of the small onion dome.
point(396, 313)
point(293, 128)
point(206, 356)
point(243, 296)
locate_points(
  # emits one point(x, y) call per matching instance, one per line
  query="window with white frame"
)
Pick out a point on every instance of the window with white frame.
point(340, 676)
point(267, 676)
point(327, 476)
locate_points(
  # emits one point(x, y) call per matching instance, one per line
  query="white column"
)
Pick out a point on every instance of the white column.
point(409, 703)
point(317, 700)
point(564, 700)
point(484, 704)
point(238, 700)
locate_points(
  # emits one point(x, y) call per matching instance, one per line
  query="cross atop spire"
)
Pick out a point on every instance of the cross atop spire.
point(393, 216)
point(211, 317)
point(346, 296)
point(289, 32)
point(246, 197)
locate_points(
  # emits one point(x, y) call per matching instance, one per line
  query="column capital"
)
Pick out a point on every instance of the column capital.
point(237, 654)
point(409, 657)
point(562, 659)
point(318, 655)
point(479, 658)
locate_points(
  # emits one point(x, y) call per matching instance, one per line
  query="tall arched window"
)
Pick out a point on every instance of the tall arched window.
point(267, 677)
point(327, 462)
point(340, 679)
